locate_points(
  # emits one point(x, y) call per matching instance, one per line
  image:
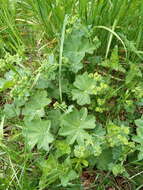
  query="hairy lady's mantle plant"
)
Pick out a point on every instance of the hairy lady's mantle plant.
point(87, 129)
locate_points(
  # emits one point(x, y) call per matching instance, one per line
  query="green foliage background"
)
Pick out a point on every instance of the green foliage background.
point(71, 94)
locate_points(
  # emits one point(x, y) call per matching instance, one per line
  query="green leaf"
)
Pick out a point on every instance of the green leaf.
point(11, 110)
point(74, 125)
point(47, 72)
point(62, 148)
point(50, 171)
point(5, 84)
point(36, 104)
point(53, 170)
point(42, 82)
point(117, 135)
point(89, 84)
point(69, 176)
point(139, 123)
point(133, 72)
point(76, 45)
point(37, 132)
point(8, 81)
point(104, 159)
point(85, 86)
point(113, 63)
point(116, 168)
point(81, 97)
point(54, 116)
point(139, 137)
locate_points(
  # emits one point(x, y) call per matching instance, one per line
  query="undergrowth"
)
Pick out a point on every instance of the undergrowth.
point(71, 94)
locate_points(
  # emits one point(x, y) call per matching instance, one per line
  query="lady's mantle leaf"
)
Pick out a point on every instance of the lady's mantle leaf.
point(139, 137)
point(73, 125)
point(36, 104)
point(37, 132)
point(85, 86)
point(76, 45)
point(11, 110)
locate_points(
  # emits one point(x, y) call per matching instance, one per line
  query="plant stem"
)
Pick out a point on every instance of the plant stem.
point(61, 54)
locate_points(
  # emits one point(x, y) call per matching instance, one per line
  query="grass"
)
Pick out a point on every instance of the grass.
point(24, 16)
point(33, 29)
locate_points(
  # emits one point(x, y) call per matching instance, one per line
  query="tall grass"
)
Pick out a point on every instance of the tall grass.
point(27, 22)
point(9, 33)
